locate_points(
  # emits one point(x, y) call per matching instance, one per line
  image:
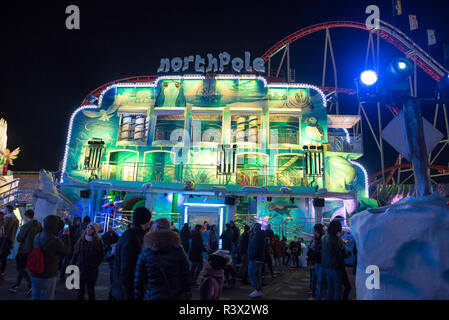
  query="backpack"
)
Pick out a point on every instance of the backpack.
point(35, 261)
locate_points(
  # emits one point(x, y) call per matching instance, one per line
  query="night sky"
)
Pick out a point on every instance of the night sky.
point(47, 70)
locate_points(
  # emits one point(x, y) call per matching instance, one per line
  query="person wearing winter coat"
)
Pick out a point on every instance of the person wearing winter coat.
point(243, 251)
point(314, 258)
point(268, 258)
point(88, 255)
point(127, 252)
point(110, 239)
point(227, 237)
point(75, 230)
point(212, 243)
point(185, 234)
point(26, 239)
point(276, 246)
point(295, 251)
point(196, 254)
point(286, 253)
point(270, 233)
point(162, 271)
point(212, 284)
point(2, 242)
point(256, 256)
point(10, 226)
point(53, 248)
point(332, 261)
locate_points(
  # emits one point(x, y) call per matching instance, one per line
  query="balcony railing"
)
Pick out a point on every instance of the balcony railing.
point(244, 174)
point(340, 142)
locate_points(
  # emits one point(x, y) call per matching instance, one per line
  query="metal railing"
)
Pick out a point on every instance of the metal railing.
point(340, 142)
point(245, 174)
point(9, 192)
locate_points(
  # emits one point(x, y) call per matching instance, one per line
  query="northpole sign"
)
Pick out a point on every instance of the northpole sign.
point(213, 64)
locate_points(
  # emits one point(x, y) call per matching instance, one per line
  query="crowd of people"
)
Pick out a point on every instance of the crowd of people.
point(152, 260)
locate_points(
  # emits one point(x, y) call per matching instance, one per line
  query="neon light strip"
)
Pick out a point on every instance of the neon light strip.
point(221, 227)
point(347, 135)
point(204, 204)
point(366, 176)
point(69, 134)
point(185, 214)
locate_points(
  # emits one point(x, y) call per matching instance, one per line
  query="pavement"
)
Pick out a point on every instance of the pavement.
point(293, 284)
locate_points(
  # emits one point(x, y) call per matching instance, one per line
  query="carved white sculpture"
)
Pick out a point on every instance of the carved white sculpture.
point(45, 197)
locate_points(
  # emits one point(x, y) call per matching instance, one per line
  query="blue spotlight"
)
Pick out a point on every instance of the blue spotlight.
point(368, 77)
point(402, 67)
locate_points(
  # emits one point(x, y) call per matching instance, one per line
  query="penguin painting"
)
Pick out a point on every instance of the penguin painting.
point(314, 130)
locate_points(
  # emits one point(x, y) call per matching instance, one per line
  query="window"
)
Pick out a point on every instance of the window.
point(245, 129)
point(169, 130)
point(133, 128)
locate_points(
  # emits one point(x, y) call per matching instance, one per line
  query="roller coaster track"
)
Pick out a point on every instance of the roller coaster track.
point(387, 32)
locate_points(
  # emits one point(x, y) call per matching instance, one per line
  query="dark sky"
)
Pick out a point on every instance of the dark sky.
point(47, 70)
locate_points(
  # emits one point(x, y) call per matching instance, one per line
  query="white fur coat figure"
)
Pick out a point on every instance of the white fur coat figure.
point(45, 198)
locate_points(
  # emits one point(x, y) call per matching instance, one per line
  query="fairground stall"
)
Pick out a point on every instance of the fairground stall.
point(213, 148)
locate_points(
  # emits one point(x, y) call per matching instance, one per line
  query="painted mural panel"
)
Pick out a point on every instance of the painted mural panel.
point(289, 98)
point(286, 218)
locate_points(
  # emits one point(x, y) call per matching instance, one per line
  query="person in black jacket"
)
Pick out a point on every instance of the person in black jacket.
point(162, 271)
point(314, 258)
point(53, 248)
point(26, 238)
point(88, 255)
point(235, 240)
point(256, 256)
point(332, 261)
point(270, 233)
point(227, 236)
point(126, 253)
point(185, 237)
point(196, 254)
point(75, 230)
point(212, 241)
point(243, 251)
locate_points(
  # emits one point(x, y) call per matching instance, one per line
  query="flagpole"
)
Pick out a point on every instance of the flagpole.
point(394, 6)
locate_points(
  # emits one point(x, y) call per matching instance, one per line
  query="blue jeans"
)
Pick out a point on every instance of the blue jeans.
point(334, 283)
point(195, 270)
point(43, 289)
point(255, 274)
point(319, 281)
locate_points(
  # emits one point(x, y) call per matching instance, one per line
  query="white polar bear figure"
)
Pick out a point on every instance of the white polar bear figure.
point(45, 197)
point(408, 244)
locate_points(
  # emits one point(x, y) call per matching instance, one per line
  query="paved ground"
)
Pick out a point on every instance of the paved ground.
point(292, 285)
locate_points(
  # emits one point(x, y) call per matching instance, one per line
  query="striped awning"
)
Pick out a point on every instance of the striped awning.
point(133, 109)
point(342, 121)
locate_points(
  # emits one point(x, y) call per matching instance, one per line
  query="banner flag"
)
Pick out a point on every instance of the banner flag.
point(413, 22)
point(431, 39)
point(397, 7)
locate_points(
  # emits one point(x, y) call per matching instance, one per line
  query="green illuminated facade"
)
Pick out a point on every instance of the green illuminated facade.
point(232, 132)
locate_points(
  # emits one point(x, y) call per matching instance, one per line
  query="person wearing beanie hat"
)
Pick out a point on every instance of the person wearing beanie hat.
point(212, 284)
point(127, 252)
point(162, 271)
point(141, 216)
point(88, 255)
